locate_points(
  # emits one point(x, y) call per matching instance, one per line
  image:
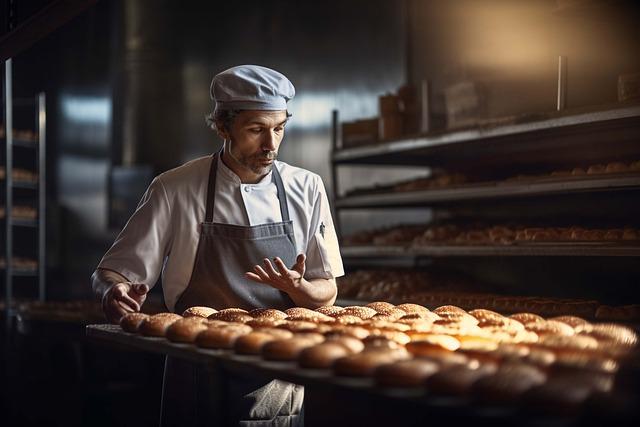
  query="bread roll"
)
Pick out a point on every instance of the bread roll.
point(385, 324)
point(187, 329)
point(373, 342)
point(414, 309)
point(399, 337)
point(358, 311)
point(252, 342)
point(572, 342)
point(315, 317)
point(299, 326)
point(199, 311)
point(131, 322)
point(508, 383)
point(280, 334)
point(457, 380)
point(572, 321)
point(265, 322)
point(352, 344)
point(550, 327)
point(156, 325)
point(330, 310)
point(580, 361)
point(347, 319)
point(354, 331)
point(365, 363)
point(231, 316)
point(380, 305)
point(406, 373)
point(323, 355)
point(446, 309)
point(525, 318)
point(287, 349)
point(612, 332)
point(422, 341)
point(299, 311)
point(219, 338)
point(267, 313)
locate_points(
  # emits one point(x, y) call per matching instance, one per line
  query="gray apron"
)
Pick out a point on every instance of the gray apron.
point(225, 253)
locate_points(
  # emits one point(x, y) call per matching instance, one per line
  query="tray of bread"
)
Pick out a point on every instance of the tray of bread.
point(479, 357)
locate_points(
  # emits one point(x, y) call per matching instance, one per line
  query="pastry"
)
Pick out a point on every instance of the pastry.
point(131, 322)
point(199, 311)
point(187, 329)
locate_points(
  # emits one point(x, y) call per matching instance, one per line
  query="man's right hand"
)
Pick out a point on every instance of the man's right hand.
point(123, 298)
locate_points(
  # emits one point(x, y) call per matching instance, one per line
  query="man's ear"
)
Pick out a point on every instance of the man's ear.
point(221, 130)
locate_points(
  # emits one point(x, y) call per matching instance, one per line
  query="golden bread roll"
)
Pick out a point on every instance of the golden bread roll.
point(265, 322)
point(380, 305)
point(397, 336)
point(539, 357)
point(310, 336)
point(446, 309)
point(457, 380)
point(299, 326)
point(252, 342)
point(380, 343)
point(199, 311)
point(267, 313)
point(550, 327)
point(419, 341)
point(299, 311)
point(525, 318)
point(365, 363)
point(315, 317)
point(352, 344)
point(581, 361)
point(508, 383)
point(276, 332)
point(414, 309)
point(556, 397)
point(354, 331)
point(454, 317)
point(287, 349)
point(219, 338)
point(484, 314)
point(406, 373)
point(614, 333)
point(229, 316)
point(390, 314)
point(157, 325)
point(572, 321)
point(358, 311)
point(572, 342)
point(131, 322)
point(330, 310)
point(373, 323)
point(347, 319)
point(323, 355)
point(187, 329)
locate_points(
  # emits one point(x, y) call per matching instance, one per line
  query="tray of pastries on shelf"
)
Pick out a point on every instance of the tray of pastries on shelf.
point(479, 234)
point(20, 212)
point(441, 179)
point(20, 264)
point(80, 311)
point(20, 175)
point(22, 134)
point(434, 288)
point(479, 353)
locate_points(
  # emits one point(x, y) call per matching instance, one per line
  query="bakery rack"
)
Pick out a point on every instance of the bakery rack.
point(34, 152)
point(492, 155)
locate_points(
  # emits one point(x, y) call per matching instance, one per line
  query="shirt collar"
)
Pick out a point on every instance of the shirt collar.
point(226, 173)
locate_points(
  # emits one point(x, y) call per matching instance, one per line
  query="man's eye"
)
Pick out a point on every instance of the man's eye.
point(255, 130)
point(279, 129)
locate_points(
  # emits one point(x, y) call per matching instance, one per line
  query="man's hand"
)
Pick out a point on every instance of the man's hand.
point(284, 279)
point(123, 298)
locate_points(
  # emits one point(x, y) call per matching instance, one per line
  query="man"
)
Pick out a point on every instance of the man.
point(235, 229)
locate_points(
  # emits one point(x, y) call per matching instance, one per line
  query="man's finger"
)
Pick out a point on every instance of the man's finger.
point(128, 301)
point(272, 271)
point(281, 267)
point(253, 276)
point(263, 274)
point(141, 288)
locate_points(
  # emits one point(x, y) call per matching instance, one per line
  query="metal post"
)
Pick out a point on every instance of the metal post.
point(42, 194)
point(8, 181)
point(562, 83)
point(334, 171)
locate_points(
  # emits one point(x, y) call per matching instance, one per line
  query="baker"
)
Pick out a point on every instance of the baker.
point(237, 228)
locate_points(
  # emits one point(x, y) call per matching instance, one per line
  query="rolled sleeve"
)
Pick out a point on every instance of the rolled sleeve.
point(140, 249)
point(323, 252)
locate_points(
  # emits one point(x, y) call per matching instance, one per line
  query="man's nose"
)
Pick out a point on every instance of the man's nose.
point(269, 143)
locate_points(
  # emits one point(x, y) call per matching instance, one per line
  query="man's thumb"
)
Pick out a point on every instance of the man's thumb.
point(141, 288)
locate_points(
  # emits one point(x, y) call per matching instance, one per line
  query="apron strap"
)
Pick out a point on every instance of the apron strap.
point(211, 190)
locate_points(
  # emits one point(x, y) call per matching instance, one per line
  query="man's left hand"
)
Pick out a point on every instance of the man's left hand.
point(281, 277)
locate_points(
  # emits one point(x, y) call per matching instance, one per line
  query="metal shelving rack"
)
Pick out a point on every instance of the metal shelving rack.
point(561, 135)
point(39, 148)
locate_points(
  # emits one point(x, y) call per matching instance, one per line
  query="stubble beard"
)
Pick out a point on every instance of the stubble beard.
point(253, 161)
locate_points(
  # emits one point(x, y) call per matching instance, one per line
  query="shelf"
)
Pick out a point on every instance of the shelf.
point(22, 222)
point(586, 249)
point(27, 185)
point(418, 147)
point(22, 273)
point(493, 190)
point(25, 143)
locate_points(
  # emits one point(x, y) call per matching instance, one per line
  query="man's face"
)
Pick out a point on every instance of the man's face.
point(255, 137)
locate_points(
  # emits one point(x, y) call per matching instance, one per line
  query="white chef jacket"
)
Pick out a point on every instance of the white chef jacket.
point(162, 235)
